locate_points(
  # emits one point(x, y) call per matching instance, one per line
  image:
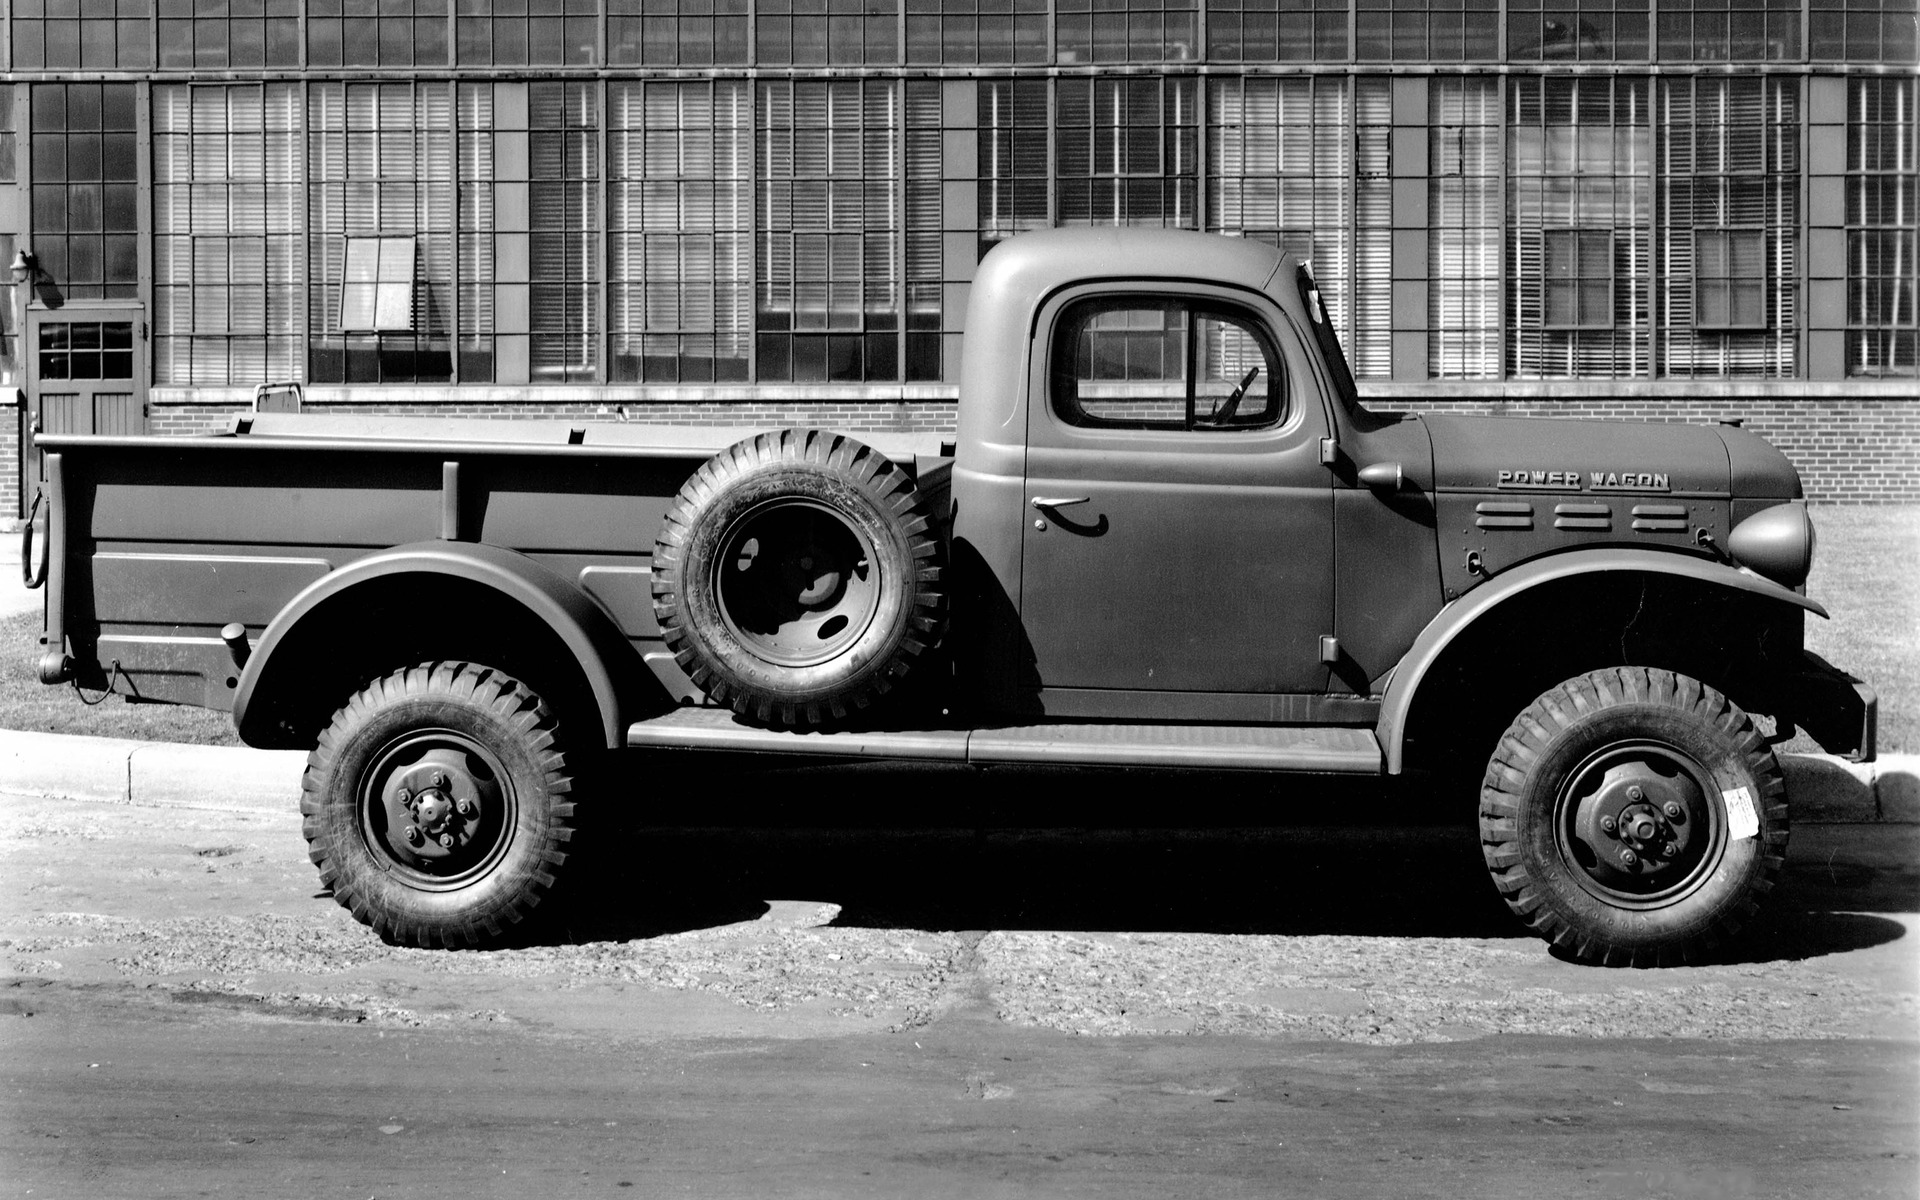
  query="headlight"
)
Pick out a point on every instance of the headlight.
point(1775, 542)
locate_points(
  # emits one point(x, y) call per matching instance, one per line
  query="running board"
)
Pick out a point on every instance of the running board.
point(1320, 748)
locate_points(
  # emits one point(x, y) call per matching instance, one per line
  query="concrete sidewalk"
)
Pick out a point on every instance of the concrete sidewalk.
point(1825, 790)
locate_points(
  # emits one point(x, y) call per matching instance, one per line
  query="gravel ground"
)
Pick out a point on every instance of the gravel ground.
point(215, 908)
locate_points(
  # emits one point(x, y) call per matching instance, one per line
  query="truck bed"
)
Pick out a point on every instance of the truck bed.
point(166, 540)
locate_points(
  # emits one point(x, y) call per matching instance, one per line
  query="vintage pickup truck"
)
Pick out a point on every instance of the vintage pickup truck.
point(1165, 534)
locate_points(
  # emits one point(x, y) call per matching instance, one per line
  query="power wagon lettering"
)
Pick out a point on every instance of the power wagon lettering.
point(1527, 479)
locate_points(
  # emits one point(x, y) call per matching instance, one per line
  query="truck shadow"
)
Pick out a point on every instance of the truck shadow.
point(950, 849)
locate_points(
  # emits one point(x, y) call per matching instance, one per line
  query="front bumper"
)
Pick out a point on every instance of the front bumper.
point(1839, 711)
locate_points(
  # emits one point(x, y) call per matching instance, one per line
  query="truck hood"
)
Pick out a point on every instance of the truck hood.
point(1483, 454)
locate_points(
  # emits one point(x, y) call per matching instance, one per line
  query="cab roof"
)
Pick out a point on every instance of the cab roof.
point(1016, 277)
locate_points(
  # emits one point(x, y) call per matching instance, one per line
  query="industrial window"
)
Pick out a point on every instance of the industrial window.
point(377, 292)
point(1883, 229)
point(229, 179)
point(527, 33)
point(563, 197)
point(1150, 363)
point(1127, 151)
point(1730, 161)
point(1015, 158)
point(380, 169)
point(363, 33)
point(1282, 169)
point(1427, 30)
point(1256, 31)
point(1467, 226)
point(822, 32)
point(1584, 31)
point(263, 34)
point(1121, 31)
point(976, 31)
point(1578, 283)
point(1729, 279)
point(86, 218)
point(107, 35)
point(828, 306)
point(1729, 30)
point(677, 33)
point(1580, 212)
point(1863, 31)
point(925, 208)
point(1369, 329)
point(529, 242)
point(9, 142)
point(491, 247)
point(679, 195)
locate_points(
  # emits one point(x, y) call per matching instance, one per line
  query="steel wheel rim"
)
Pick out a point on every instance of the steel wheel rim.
point(437, 809)
point(796, 582)
point(1637, 825)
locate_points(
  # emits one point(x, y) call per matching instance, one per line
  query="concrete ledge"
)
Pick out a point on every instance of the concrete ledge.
point(76, 768)
point(155, 774)
point(1823, 788)
point(237, 778)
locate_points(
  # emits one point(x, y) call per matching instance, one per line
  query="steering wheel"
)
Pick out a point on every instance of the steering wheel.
point(1231, 405)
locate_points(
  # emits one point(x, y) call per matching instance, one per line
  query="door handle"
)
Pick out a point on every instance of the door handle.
point(1058, 501)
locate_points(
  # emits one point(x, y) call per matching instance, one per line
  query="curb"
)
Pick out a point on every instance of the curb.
point(1826, 790)
point(150, 774)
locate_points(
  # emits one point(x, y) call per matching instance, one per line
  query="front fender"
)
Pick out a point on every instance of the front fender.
point(592, 638)
point(1453, 620)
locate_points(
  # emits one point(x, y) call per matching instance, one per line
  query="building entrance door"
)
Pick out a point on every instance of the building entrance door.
point(87, 372)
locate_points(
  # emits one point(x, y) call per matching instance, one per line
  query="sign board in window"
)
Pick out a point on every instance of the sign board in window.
point(377, 295)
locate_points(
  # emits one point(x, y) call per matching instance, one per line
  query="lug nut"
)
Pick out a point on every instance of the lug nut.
point(446, 841)
point(404, 796)
point(1674, 811)
point(1667, 849)
point(1629, 859)
point(414, 836)
point(1607, 824)
point(440, 779)
point(1634, 793)
point(464, 807)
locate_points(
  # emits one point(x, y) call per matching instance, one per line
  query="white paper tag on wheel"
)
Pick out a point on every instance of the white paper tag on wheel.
point(1742, 819)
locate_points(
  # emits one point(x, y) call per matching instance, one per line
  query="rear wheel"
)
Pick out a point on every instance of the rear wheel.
point(437, 804)
point(1633, 817)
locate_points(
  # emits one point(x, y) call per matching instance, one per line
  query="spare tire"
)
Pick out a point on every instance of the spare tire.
point(797, 577)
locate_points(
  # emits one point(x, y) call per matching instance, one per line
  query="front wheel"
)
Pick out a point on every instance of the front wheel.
point(1633, 817)
point(437, 804)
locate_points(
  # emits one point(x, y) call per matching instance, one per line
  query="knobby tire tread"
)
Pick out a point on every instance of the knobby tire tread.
point(347, 869)
point(1558, 711)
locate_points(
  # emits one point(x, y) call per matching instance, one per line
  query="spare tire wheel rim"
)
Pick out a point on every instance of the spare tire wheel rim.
point(1636, 825)
point(438, 808)
point(797, 582)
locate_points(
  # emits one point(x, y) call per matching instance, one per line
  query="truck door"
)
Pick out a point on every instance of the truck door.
point(1178, 547)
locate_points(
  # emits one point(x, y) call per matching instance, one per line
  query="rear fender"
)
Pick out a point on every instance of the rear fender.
point(1485, 602)
point(609, 666)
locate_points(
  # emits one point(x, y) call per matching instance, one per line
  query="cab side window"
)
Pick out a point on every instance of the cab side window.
point(1164, 363)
